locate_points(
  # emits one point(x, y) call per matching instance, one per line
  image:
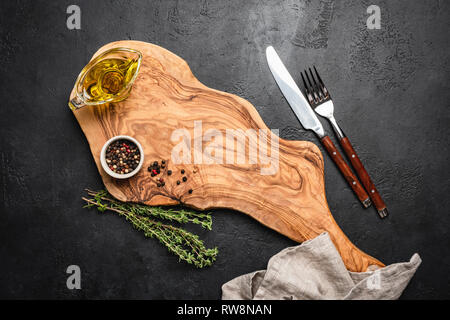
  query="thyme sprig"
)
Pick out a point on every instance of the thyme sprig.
point(186, 245)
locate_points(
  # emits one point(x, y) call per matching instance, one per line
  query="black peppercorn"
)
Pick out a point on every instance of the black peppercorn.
point(163, 184)
point(149, 169)
point(169, 172)
point(122, 156)
point(184, 179)
point(162, 161)
point(182, 171)
point(190, 190)
point(178, 182)
point(155, 164)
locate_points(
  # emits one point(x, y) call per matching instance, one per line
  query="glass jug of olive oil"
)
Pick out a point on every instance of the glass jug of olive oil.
point(107, 78)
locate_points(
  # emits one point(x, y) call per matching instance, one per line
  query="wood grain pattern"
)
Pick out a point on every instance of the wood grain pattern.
point(346, 171)
point(362, 174)
point(166, 96)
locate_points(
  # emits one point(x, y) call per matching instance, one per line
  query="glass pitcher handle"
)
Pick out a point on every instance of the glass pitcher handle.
point(76, 103)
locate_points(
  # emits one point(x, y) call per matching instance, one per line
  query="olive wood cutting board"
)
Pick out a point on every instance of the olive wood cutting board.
point(166, 96)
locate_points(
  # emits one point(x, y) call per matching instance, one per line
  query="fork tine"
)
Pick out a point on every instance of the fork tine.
point(316, 97)
point(316, 86)
point(304, 82)
point(307, 89)
point(324, 89)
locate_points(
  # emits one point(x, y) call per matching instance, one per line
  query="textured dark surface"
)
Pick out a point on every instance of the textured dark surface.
point(391, 88)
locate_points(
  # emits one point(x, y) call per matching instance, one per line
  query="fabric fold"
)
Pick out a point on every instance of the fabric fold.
point(314, 270)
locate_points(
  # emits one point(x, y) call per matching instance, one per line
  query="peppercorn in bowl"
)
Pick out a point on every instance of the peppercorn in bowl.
point(122, 157)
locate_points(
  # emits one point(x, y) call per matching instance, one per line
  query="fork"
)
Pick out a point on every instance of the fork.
point(320, 100)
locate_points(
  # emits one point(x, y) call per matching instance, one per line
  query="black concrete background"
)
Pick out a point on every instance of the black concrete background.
point(390, 87)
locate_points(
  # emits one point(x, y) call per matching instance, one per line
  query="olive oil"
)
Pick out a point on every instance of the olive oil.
point(108, 78)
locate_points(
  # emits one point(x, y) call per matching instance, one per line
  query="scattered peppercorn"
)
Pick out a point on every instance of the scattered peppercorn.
point(163, 184)
point(163, 161)
point(122, 156)
point(190, 190)
point(169, 172)
point(150, 169)
point(155, 164)
point(178, 182)
point(182, 171)
point(184, 179)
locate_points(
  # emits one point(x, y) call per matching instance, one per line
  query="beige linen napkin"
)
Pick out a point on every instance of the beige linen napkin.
point(315, 270)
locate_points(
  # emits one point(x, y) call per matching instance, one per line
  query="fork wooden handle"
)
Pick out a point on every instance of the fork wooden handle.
point(346, 171)
point(364, 176)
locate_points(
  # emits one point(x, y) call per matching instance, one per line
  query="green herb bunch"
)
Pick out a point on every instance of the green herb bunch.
point(186, 245)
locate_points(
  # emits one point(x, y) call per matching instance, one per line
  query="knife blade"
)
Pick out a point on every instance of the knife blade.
point(292, 93)
point(305, 114)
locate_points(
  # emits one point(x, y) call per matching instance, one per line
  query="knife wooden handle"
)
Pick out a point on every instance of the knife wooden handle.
point(364, 176)
point(346, 171)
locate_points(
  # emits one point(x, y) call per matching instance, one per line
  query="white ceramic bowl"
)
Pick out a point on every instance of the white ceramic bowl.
point(105, 165)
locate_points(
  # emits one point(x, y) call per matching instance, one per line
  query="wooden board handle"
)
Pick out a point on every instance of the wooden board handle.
point(346, 171)
point(364, 176)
